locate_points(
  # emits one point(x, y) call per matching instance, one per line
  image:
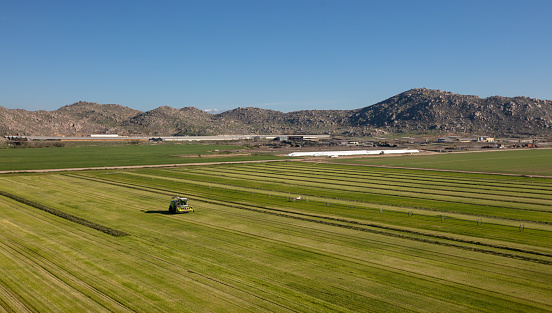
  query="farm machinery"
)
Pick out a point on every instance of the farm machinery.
point(180, 205)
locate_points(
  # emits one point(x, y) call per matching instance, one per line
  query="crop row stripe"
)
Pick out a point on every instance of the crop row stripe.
point(473, 194)
point(229, 186)
point(353, 170)
point(405, 194)
point(408, 180)
point(334, 222)
point(67, 216)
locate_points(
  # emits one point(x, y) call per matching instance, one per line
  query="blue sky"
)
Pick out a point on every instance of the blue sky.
point(273, 54)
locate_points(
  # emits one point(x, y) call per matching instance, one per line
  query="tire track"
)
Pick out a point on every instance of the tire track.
point(395, 270)
point(12, 302)
point(58, 274)
point(155, 262)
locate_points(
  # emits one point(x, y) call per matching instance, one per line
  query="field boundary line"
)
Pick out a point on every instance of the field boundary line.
point(429, 169)
point(135, 166)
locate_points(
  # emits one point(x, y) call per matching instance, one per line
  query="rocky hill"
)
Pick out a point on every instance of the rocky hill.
point(416, 110)
point(424, 109)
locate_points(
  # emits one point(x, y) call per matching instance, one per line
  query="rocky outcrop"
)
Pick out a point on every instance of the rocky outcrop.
point(425, 109)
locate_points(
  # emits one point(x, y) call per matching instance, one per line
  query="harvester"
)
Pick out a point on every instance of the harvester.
point(180, 205)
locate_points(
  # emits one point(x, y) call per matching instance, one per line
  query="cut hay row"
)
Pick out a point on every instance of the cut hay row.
point(530, 183)
point(133, 278)
point(333, 177)
point(250, 248)
point(69, 217)
point(391, 247)
point(537, 205)
point(67, 289)
point(350, 202)
point(192, 290)
point(472, 191)
point(367, 196)
point(198, 290)
point(234, 196)
point(517, 162)
point(540, 191)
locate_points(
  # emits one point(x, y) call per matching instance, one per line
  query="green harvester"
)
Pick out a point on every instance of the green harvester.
point(180, 205)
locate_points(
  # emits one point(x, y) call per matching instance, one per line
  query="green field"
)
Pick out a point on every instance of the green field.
point(533, 162)
point(275, 237)
point(118, 155)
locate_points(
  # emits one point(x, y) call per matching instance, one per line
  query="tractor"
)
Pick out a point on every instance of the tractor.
point(180, 205)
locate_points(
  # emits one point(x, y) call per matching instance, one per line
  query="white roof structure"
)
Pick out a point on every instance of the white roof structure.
point(353, 152)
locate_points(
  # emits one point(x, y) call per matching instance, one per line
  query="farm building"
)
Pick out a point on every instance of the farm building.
point(485, 139)
point(353, 152)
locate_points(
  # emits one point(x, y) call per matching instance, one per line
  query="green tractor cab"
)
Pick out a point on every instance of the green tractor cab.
point(180, 205)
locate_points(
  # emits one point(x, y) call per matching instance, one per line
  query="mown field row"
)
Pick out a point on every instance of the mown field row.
point(520, 161)
point(540, 202)
point(414, 177)
point(253, 245)
point(299, 210)
point(342, 208)
point(354, 193)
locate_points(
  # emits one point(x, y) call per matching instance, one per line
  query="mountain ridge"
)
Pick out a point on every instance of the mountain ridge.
point(415, 110)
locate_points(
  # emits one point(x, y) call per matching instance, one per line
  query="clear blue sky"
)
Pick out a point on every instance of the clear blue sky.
point(283, 55)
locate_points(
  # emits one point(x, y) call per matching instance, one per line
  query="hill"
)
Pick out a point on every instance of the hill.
point(425, 109)
point(415, 110)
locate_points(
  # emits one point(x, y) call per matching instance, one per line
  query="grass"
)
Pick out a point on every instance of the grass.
point(348, 244)
point(355, 208)
point(327, 186)
point(525, 162)
point(117, 155)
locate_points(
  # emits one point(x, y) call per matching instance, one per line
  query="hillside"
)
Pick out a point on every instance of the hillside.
point(416, 110)
point(424, 109)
